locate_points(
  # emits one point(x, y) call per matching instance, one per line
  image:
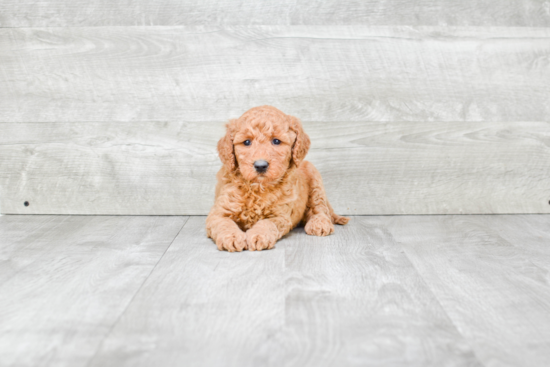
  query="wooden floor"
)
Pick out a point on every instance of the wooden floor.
point(383, 290)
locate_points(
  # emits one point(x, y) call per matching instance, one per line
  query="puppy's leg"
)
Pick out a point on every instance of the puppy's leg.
point(264, 234)
point(225, 232)
point(319, 217)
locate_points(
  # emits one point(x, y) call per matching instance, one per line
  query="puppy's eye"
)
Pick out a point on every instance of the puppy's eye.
point(276, 141)
point(247, 142)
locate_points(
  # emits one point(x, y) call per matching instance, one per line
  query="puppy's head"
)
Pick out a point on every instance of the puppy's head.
point(263, 144)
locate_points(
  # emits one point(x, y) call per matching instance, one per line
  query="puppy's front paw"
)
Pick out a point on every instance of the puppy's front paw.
point(257, 241)
point(231, 241)
point(319, 225)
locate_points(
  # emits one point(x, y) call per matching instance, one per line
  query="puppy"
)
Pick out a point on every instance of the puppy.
point(265, 188)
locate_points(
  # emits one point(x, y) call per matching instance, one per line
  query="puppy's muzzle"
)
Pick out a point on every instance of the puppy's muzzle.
point(261, 166)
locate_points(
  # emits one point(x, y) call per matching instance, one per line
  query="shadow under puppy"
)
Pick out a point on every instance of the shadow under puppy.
point(264, 187)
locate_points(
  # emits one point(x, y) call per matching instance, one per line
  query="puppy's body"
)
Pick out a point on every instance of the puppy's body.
point(256, 207)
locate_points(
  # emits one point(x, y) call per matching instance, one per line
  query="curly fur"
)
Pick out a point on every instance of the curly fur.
point(253, 210)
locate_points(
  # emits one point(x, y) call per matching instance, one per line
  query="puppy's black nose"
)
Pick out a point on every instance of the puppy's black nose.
point(261, 166)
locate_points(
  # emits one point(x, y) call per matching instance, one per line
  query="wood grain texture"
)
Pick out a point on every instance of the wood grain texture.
point(59, 13)
point(354, 299)
point(367, 167)
point(400, 291)
point(349, 299)
point(18, 232)
point(200, 307)
point(318, 73)
point(65, 280)
point(490, 274)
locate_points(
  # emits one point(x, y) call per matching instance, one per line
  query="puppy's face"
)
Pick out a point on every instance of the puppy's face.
point(262, 144)
point(263, 149)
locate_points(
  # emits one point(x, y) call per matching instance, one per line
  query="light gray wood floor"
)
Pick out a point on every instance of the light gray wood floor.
point(383, 290)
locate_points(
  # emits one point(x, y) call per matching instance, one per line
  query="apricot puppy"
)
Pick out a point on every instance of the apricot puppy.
point(265, 188)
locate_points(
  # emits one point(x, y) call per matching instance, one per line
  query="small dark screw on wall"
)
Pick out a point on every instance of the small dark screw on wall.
point(26, 203)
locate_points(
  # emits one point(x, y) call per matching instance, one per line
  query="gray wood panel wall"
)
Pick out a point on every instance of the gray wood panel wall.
point(78, 13)
point(368, 167)
point(317, 73)
point(431, 108)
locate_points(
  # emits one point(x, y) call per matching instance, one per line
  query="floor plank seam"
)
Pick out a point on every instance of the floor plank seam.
point(466, 339)
point(100, 345)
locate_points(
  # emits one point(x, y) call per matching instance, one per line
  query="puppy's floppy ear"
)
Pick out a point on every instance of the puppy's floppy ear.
point(301, 145)
point(225, 147)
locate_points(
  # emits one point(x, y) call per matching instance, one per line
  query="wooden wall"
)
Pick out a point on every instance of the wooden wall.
point(79, 13)
point(427, 107)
